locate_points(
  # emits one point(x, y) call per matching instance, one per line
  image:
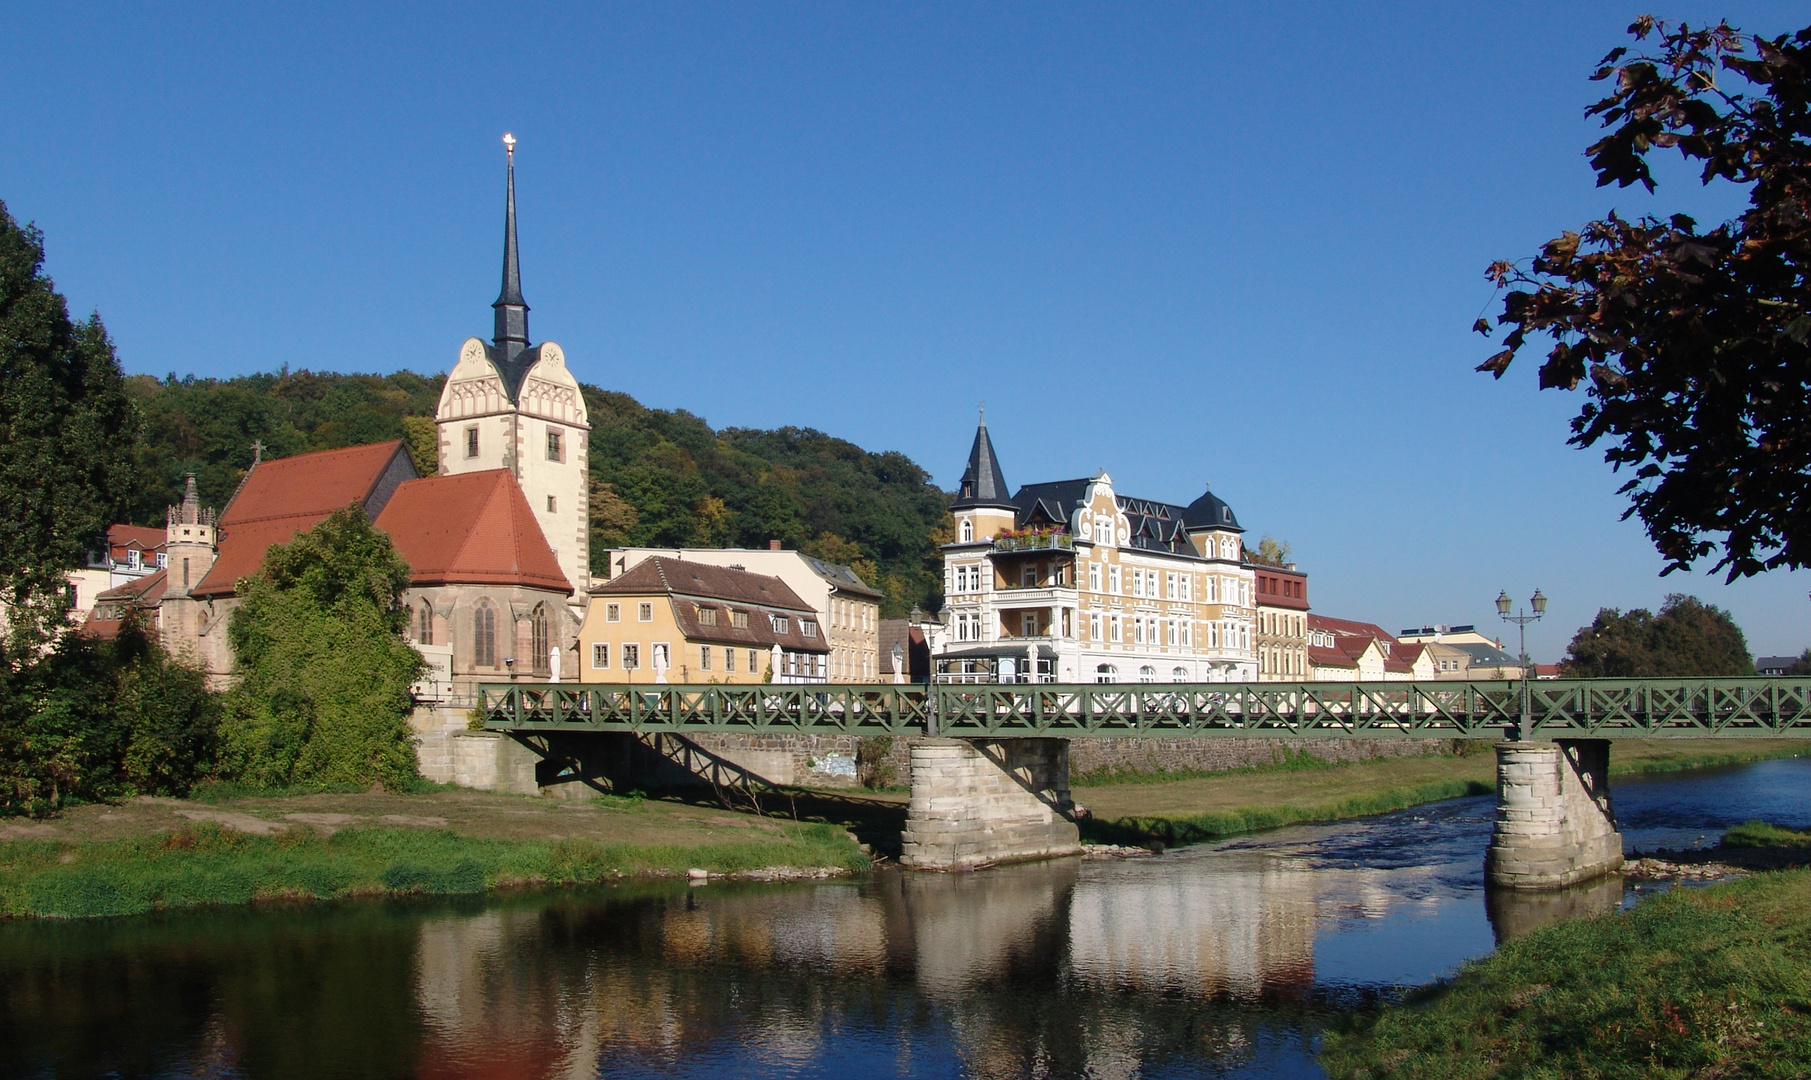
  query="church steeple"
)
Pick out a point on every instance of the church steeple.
point(511, 336)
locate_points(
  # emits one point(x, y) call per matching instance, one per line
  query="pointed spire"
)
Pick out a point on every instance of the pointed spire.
point(983, 484)
point(511, 336)
point(191, 501)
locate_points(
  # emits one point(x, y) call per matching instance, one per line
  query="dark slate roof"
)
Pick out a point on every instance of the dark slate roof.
point(1156, 526)
point(1211, 512)
point(982, 482)
point(1484, 655)
point(699, 587)
point(512, 372)
point(844, 579)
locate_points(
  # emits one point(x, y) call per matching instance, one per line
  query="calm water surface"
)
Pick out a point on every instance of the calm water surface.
point(1224, 959)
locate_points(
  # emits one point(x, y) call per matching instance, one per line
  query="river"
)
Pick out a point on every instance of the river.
point(1217, 960)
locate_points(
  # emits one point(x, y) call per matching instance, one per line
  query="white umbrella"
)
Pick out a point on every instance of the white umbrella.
point(778, 655)
point(660, 666)
point(553, 664)
point(1031, 672)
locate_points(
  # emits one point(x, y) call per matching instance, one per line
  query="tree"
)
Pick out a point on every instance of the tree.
point(1688, 639)
point(1271, 552)
point(1692, 345)
point(323, 697)
point(67, 427)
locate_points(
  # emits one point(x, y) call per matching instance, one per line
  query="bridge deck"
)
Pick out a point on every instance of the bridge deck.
point(1557, 709)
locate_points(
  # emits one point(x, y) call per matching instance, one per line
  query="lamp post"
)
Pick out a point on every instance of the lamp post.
point(1521, 619)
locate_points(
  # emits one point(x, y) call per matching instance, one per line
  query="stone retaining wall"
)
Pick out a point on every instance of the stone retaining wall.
point(1095, 756)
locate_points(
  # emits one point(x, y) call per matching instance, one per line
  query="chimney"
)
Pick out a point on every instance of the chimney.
point(773, 545)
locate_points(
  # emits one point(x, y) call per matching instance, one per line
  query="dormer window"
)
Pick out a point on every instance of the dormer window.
point(779, 623)
point(808, 628)
point(133, 559)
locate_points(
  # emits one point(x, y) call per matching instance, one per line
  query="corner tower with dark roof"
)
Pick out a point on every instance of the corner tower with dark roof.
point(510, 404)
point(982, 507)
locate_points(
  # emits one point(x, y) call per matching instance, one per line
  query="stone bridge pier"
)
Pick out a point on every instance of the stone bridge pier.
point(1555, 825)
point(981, 802)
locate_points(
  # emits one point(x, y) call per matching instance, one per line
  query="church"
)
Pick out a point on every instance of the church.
point(496, 539)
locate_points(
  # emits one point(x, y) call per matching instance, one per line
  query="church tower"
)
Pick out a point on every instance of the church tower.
point(512, 405)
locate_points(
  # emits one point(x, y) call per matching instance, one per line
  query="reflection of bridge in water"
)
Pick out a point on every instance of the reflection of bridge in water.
point(990, 762)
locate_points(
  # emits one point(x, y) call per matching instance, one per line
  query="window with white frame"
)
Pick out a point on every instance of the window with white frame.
point(968, 530)
point(729, 660)
point(1113, 631)
point(1169, 586)
point(1113, 580)
point(1093, 577)
point(1188, 634)
point(1138, 631)
point(1103, 530)
point(662, 659)
point(613, 613)
point(1187, 582)
point(780, 624)
point(1147, 674)
point(600, 656)
point(631, 657)
point(1137, 582)
point(1106, 673)
point(644, 612)
point(1179, 674)
point(1028, 624)
point(704, 658)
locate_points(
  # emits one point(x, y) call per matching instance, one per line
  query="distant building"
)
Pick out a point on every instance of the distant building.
point(1341, 650)
point(846, 606)
point(668, 620)
point(1463, 653)
point(1282, 621)
point(905, 653)
point(1073, 582)
point(1773, 665)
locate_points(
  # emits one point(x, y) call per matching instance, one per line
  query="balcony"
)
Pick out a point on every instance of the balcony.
point(1035, 542)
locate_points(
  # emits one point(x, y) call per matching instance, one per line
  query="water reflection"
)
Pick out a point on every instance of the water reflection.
point(1220, 960)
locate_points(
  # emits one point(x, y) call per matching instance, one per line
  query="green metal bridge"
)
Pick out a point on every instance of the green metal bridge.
point(1768, 708)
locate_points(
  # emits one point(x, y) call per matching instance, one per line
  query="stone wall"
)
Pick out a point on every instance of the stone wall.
point(1555, 825)
point(804, 760)
point(980, 802)
point(1096, 756)
point(476, 759)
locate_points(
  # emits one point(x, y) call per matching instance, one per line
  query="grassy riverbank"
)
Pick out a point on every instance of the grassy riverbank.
point(1187, 808)
point(1694, 983)
point(154, 854)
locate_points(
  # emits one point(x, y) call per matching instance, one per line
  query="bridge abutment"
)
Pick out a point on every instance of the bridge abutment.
point(1555, 825)
point(980, 802)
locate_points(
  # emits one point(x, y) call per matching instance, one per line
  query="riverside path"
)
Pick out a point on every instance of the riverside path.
point(989, 762)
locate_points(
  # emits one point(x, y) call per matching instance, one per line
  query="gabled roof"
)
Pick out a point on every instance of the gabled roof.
point(112, 606)
point(470, 529)
point(697, 587)
point(1322, 656)
point(1349, 628)
point(983, 484)
point(283, 497)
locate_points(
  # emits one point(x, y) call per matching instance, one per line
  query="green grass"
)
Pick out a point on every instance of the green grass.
point(1759, 834)
point(1682, 762)
point(1193, 829)
point(1286, 760)
point(1695, 983)
point(205, 865)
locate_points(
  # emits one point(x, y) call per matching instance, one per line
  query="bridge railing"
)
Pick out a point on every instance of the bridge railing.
point(1583, 708)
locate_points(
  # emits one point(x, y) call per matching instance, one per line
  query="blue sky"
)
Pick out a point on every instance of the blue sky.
point(1186, 243)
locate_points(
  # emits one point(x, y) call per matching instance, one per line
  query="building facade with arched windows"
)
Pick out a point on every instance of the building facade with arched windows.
point(1073, 582)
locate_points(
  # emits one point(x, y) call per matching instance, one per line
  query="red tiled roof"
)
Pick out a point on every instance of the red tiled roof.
point(146, 539)
point(1407, 653)
point(470, 529)
point(309, 484)
point(281, 498)
point(1346, 627)
point(148, 589)
point(1320, 656)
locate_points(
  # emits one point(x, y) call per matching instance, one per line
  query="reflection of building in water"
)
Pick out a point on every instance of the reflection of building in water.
point(1240, 928)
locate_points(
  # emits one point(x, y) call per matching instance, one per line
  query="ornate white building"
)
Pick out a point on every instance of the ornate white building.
point(1072, 582)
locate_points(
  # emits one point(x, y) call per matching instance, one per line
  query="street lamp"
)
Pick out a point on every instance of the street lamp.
point(1521, 619)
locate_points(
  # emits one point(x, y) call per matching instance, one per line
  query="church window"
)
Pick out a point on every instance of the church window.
point(613, 613)
point(537, 635)
point(600, 655)
point(471, 442)
point(968, 530)
point(631, 657)
point(424, 631)
point(484, 635)
point(555, 451)
point(644, 612)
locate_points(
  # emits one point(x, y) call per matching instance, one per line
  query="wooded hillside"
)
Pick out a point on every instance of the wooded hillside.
point(658, 477)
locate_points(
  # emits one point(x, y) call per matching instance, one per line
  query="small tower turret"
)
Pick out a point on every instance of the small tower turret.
point(188, 541)
point(982, 507)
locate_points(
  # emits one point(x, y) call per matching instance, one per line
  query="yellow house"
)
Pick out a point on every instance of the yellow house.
point(679, 621)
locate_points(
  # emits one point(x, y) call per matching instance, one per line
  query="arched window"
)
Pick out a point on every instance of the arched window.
point(1106, 673)
point(968, 530)
point(484, 635)
point(537, 629)
point(1179, 675)
point(424, 632)
point(1147, 673)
